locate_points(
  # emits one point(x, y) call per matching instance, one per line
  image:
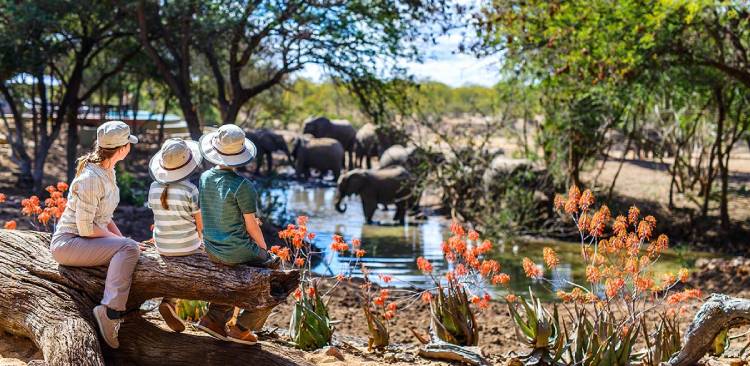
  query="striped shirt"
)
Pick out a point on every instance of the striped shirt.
point(92, 200)
point(175, 231)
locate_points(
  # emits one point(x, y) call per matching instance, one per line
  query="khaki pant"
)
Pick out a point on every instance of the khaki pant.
point(121, 254)
point(221, 314)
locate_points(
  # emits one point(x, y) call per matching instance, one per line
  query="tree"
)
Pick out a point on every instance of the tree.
point(251, 46)
point(55, 43)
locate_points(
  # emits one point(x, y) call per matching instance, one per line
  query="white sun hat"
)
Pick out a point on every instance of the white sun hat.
point(114, 134)
point(176, 160)
point(227, 146)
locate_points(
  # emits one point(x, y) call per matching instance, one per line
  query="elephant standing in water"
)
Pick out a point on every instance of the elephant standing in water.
point(366, 145)
point(267, 141)
point(324, 154)
point(340, 130)
point(390, 185)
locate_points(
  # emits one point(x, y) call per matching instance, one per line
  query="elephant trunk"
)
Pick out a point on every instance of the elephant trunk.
point(340, 207)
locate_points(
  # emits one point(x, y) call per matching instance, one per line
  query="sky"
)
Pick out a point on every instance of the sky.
point(443, 63)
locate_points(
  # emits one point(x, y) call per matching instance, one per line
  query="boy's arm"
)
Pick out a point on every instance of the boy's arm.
point(199, 223)
point(251, 224)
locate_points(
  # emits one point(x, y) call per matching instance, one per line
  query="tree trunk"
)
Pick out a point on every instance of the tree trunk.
point(18, 148)
point(718, 313)
point(72, 148)
point(51, 304)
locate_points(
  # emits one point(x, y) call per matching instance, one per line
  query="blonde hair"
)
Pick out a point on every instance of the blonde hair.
point(96, 156)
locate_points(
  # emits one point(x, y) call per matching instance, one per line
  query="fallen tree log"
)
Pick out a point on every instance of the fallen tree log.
point(51, 304)
point(719, 312)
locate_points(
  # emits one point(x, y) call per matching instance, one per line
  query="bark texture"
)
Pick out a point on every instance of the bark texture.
point(717, 313)
point(52, 304)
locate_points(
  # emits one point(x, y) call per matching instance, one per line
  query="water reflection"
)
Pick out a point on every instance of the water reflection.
point(392, 249)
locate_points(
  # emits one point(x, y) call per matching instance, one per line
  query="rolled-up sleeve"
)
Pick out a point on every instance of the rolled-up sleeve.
point(87, 193)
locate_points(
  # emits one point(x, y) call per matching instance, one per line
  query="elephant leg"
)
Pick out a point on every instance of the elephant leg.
point(400, 212)
point(368, 207)
point(269, 160)
point(258, 163)
point(351, 159)
point(369, 164)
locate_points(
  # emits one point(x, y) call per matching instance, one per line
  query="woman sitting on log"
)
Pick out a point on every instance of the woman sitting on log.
point(177, 217)
point(86, 235)
point(232, 234)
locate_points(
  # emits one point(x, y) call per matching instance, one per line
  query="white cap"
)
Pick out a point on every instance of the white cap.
point(114, 134)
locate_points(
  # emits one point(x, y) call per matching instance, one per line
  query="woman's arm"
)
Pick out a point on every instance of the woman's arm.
point(112, 227)
point(199, 224)
point(251, 224)
point(98, 232)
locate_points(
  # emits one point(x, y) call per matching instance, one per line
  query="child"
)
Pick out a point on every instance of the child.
point(232, 233)
point(177, 216)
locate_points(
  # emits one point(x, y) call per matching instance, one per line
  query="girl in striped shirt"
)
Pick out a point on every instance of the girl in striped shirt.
point(174, 200)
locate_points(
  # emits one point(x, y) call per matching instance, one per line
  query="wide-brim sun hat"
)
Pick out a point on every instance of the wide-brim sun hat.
point(175, 161)
point(227, 146)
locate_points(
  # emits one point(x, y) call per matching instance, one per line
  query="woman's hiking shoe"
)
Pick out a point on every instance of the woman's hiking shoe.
point(237, 335)
point(169, 314)
point(108, 328)
point(211, 327)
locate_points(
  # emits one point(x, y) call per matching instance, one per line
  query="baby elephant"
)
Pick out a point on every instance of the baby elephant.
point(324, 154)
point(390, 185)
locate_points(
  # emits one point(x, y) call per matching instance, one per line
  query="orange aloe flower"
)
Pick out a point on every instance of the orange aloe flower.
point(426, 297)
point(633, 214)
point(531, 269)
point(62, 186)
point(424, 265)
point(389, 315)
point(511, 298)
point(360, 253)
point(10, 225)
point(473, 235)
point(299, 262)
point(550, 257)
point(502, 279)
point(2, 197)
point(586, 200)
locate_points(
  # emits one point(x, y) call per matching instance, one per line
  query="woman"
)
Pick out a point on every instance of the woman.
point(177, 218)
point(86, 235)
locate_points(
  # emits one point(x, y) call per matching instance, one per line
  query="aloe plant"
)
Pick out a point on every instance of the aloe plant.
point(540, 330)
point(378, 335)
point(191, 310)
point(452, 319)
point(600, 343)
point(310, 327)
point(665, 342)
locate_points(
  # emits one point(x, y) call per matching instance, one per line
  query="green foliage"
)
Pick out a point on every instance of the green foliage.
point(452, 318)
point(191, 310)
point(133, 191)
point(540, 331)
point(310, 326)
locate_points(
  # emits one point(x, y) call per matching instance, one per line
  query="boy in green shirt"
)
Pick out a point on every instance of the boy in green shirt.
point(231, 231)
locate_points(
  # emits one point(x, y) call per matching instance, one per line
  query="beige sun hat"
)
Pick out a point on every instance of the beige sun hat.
point(227, 146)
point(114, 134)
point(175, 161)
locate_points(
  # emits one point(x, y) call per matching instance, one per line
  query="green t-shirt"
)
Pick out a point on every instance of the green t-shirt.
point(224, 197)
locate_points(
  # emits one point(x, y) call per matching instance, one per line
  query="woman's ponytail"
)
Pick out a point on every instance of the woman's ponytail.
point(96, 156)
point(164, 195)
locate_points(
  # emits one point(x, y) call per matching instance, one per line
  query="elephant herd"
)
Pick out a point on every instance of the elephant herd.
point(330, 146)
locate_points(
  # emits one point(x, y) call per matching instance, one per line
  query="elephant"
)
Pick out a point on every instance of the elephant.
point(366, 145)
point(324, 154)
point(394, 156)
point(374, 186)
point(341, 130)
point(409, 157)
point(267, 141)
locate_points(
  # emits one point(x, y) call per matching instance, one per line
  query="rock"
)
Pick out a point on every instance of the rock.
point(389, 357)
point(333, 351)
